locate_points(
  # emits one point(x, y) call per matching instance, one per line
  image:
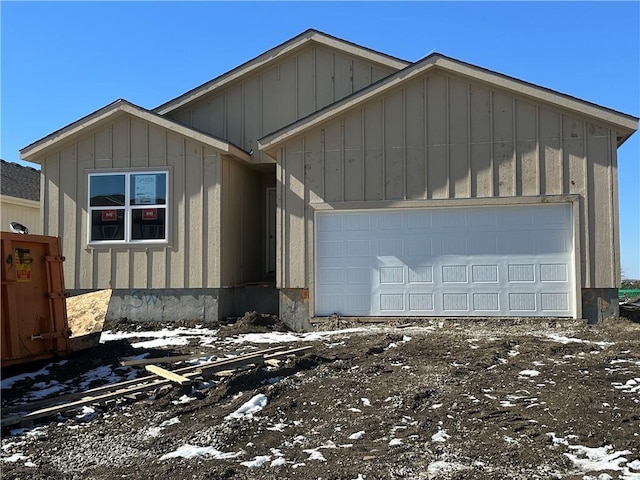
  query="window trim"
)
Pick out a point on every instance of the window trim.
point(128, 208)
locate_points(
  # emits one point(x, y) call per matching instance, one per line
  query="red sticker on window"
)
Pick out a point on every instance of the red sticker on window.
point(109, 215)
point(149, 214)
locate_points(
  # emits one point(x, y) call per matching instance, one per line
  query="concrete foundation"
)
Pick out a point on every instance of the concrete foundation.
point(598, 304)
point(291, 304)
point(294, 309)
point(202, 304)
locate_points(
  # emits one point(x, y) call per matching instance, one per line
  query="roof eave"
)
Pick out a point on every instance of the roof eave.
point(625, 125)
point(36, 150)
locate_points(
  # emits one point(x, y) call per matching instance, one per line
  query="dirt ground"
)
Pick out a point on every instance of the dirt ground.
point(421, 399)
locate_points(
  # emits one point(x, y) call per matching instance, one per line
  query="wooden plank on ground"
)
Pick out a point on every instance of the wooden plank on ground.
point(129, 362)
point(174, 377)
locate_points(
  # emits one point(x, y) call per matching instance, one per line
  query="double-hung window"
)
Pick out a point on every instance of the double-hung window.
point(128, 207)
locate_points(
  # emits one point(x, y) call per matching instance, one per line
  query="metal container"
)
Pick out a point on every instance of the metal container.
point(34, 314)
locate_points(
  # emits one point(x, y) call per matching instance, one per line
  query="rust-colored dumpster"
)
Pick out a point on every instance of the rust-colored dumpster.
point(34, 314)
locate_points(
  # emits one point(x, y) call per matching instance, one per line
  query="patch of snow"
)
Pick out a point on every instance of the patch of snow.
point(253, 405)
point(183, 399)
point(155, 431)
point(42, 390)
point(529, 373)
point(105, 374)
point(14, 458)
point(441, 436)
point(108, 335)
point(8, 382)
point(394, 442)
point(287, 337)
point(366, 402)
point(566, 340)
point(436, 406)
point(278, 427)
point(278, 462)
point(631, 386)
point(257, 461)
point(599, 458)
point(86, 414)
point(314, 454)
point(162, 342)
point(357, 435)
point(191, 451)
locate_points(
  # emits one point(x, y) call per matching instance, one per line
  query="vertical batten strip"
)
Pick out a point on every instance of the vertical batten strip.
point(333, 77)
point(613, 208)
point(363, 146)
point(204, 220)
point(588, 227)
point(287, 221)
point(514, 152)
point(447, 120)
point(243, 123)
point(564, 176)
point(315, 79)
point(404, 143)
point(425, 96)
point(492, 142)
point(539, 171)
point(383, 149)
point(469, 175)
point(342, 160)
point(184, 257)
point(307, 227)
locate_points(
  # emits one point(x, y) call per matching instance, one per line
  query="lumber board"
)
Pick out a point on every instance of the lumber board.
point(161, 372)
point(127, 362)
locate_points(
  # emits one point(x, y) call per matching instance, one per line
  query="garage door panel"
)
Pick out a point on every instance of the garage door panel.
point(420, 263)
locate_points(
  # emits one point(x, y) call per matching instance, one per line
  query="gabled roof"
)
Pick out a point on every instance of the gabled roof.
point(274, 54)
point(19, 181)
point(120, 107)
point(624, 124)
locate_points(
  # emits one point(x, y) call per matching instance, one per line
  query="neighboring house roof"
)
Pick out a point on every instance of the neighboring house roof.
point(35, 150)
point(624, 124)
point(275, 53)
point(19, 181)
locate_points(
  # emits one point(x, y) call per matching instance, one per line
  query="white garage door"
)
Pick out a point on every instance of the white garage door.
point(474, 261)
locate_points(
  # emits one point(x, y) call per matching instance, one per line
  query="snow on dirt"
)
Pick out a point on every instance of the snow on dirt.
point(452, 399)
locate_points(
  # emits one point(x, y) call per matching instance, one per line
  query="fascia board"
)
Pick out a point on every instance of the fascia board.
point(545, 95)
point(120, 107)
point(271, 55)
point(626, 124)
point(22, 202)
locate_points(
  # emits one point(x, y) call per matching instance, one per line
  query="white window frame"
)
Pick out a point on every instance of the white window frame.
point(128, 208)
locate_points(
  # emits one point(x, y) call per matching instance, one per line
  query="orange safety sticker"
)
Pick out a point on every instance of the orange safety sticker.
point(23, 267)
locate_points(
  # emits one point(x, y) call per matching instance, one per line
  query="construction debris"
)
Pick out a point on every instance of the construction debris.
point(27, 413)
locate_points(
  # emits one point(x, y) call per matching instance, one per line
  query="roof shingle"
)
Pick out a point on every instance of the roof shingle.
point(19, 181)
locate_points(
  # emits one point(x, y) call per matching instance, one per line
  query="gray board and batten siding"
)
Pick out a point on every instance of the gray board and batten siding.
point(277, 94)
point(442, 138)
